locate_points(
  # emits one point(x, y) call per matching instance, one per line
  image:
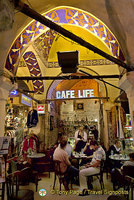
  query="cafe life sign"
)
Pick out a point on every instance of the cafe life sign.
point(71, 94)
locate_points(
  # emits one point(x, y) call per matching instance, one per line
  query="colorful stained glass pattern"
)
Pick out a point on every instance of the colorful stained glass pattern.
point(34, 70)
point(61, 15)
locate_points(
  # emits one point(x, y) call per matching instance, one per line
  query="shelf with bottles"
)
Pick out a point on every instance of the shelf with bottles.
point(128, 142)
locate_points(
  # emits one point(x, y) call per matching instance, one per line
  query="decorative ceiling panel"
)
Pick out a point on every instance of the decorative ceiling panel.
point(34, 70)
point(43, 44)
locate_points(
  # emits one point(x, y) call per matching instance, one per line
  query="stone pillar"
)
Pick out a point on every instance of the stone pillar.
point(107, 107)
point(127, 84)
point(47, 127)
point(5, 87)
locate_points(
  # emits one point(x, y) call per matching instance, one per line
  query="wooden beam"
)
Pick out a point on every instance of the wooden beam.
point(14, 79)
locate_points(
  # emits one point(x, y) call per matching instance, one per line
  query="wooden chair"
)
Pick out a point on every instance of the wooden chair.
point(44, 164)
point(27, 176)
point(130, 181)
point(98, 175)
point(13, 192)
point(116, 197)
point(61, 176)
point(2, 190)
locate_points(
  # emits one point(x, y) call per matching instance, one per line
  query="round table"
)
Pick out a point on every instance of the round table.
point(119, 157)
point(79, 157)
point(36, 155)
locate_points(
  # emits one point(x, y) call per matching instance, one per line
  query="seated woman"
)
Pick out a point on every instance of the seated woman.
point(88, 151)
point(114, 149)
point(117, 176)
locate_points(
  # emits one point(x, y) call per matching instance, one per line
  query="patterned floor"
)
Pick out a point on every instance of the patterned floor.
point(47, 183)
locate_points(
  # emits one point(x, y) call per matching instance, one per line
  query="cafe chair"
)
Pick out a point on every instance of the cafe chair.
point(98, 175)
point(2, 190)
point(130, 183)
point(59, 175)
point(27, 176)
point(44, 164)
point(13, 188)
point(116, 197)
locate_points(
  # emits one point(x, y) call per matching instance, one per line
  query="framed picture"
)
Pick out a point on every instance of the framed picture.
point(80, 106)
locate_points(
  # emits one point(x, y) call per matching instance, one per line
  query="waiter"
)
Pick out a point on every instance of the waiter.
point(95, 132)
point(80, 139)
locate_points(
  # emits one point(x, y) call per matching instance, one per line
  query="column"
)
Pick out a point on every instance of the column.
point(107, 107)
point(127, 84)
point(47, 126)
point(5, 87)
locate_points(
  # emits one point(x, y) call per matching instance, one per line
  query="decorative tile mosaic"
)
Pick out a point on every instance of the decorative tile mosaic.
point(43, 44)
point(85, 63)
point(34, 70)
point(61, 15)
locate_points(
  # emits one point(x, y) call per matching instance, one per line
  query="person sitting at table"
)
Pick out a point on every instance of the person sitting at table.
point(95, 132)
point(88, 151)
point(92, 167)
point(114, 149)
point(117, 176)
point(65, 165)
point(80, 139)
point(69, 149)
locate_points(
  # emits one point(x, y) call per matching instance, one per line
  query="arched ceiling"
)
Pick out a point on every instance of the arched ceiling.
point(45, 44)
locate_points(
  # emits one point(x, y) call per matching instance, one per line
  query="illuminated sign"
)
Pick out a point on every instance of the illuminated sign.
point(41, 109)
point(14, 93)
point(26, 100)
point(71, 94)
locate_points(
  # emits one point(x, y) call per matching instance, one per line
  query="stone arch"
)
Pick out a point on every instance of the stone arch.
point(61, 15)
point(51, 89)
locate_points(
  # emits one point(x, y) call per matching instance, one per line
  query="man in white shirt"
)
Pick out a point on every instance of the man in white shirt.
point(93, 167)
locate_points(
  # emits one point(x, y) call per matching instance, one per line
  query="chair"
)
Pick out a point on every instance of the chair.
point(116, 197)
point(61, 176)
point(2, 189)
point(13, 192)
point(27, 176)
point(44, 164)
point(130, 181)
point(124, 179)
point(98, 175)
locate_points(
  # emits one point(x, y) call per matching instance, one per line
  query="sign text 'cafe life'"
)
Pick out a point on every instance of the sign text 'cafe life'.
point(71, 94)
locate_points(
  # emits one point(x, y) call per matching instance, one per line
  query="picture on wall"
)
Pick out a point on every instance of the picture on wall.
point(80, 106)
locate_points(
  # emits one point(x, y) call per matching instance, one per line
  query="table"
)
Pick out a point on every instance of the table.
point(119, 157)
point(79, 156)
point(36, 155)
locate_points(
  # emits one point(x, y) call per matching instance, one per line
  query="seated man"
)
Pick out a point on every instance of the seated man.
point(93, 167)
point(69, 149)
point(65, 165)
point(117, 176)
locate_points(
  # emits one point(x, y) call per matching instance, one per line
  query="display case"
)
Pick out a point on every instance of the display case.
point(128, 133)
